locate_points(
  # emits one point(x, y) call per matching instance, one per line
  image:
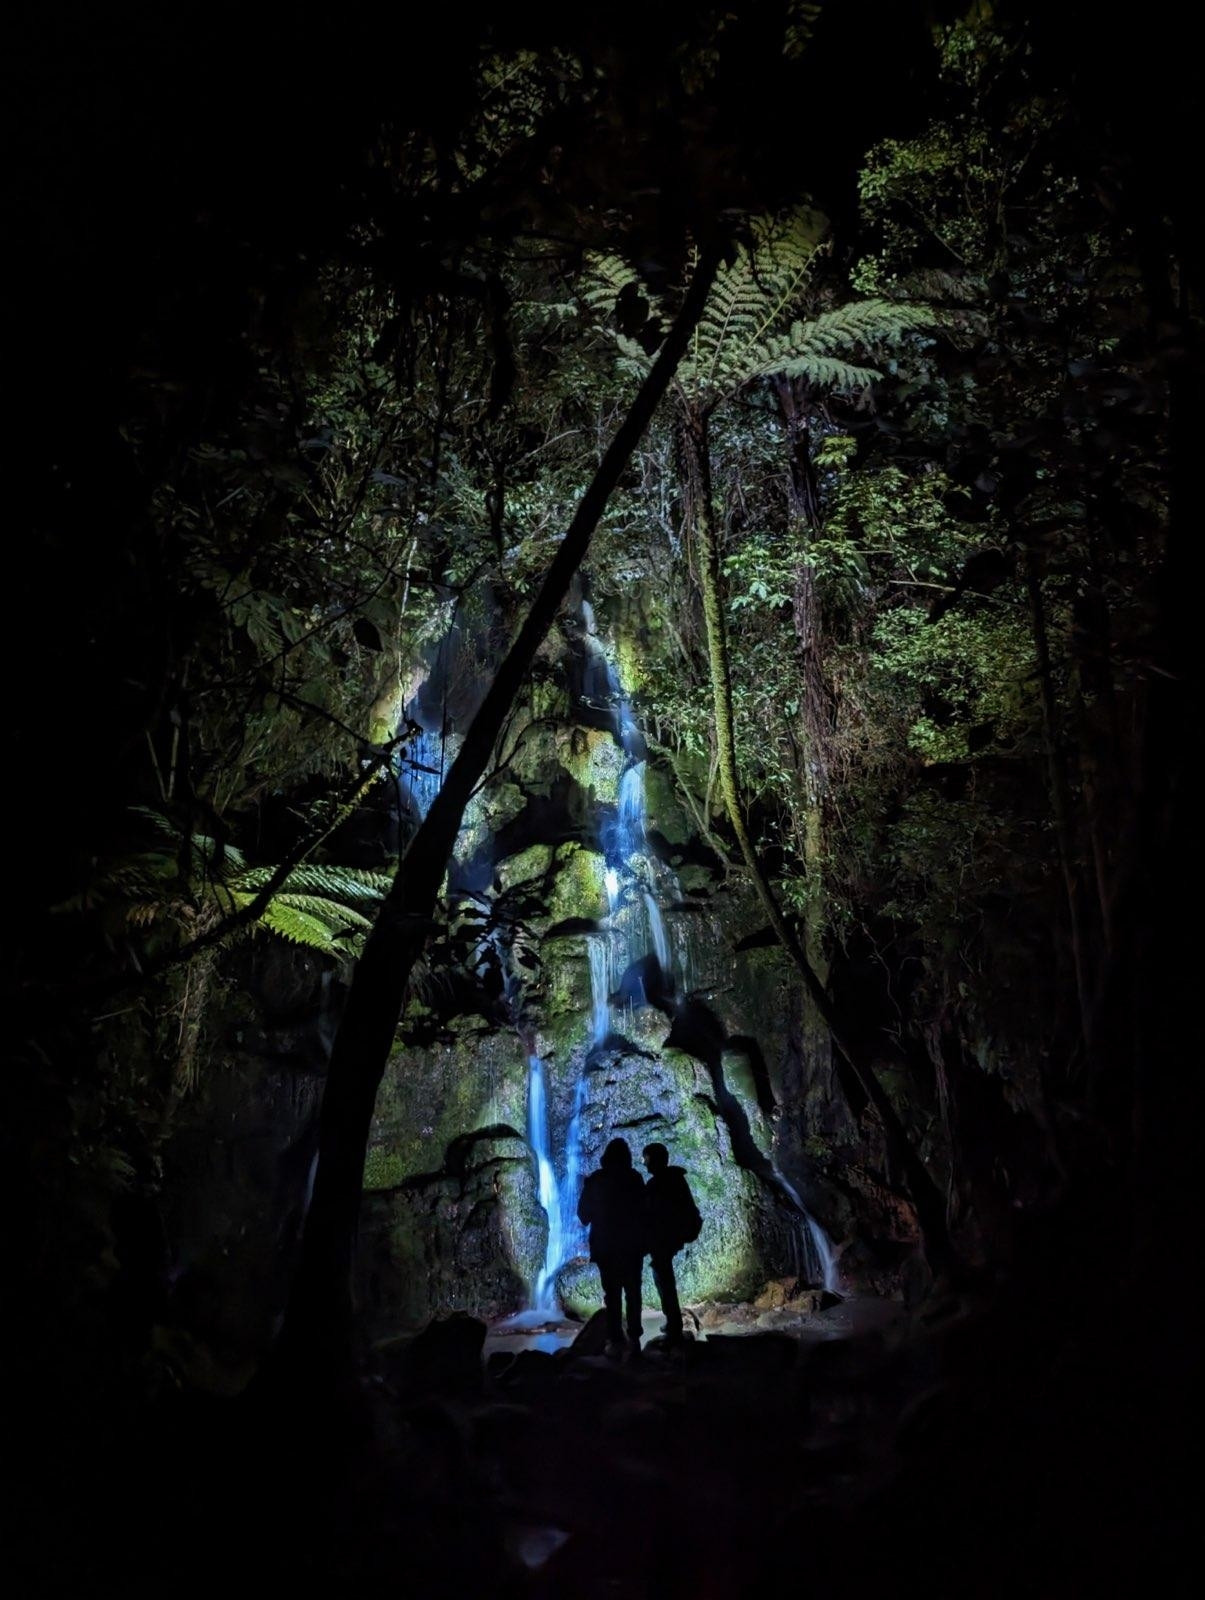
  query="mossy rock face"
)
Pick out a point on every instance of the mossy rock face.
point(565, 984)
point(452, 1242)
point(577, 888)
point(594, 759)
point(431, 1096)
point(441, 1236)
point(650, 1096)
point(741, 1074)
point(529, 867)
point(664, 808)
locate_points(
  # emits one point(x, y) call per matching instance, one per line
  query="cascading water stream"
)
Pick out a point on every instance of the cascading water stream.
point(657, 930)
point(421, 766)
point(820, 1249)
point(612, 953)
point(600, 989)
point(544, 1296)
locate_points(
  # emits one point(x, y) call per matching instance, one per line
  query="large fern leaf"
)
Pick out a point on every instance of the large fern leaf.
point(752, 295)
point(320, 905)
point(340, 883)
point(751, 328)
point(300, 927)
point(335, 915)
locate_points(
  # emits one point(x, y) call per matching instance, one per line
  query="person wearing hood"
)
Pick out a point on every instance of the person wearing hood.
point(612, 1206)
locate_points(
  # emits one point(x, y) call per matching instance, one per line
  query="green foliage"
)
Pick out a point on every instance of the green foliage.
point(319, 905)
point(979, 669)
point(761, 572)
point(751, 329)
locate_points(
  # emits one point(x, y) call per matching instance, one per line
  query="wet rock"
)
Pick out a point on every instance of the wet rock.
point(775, 1294)
point(784, 1318)
point(592, 1339)
point(531, 1366)
point(754, 1353)
point(465, 1238)
point(446, 1355)
point(711, 1314)
point(532, 1547)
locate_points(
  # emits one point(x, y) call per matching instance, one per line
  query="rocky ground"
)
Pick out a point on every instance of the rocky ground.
point(977, 1445)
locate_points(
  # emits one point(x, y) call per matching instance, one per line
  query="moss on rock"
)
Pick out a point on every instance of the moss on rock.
point(429, 1097)
point(577, 889)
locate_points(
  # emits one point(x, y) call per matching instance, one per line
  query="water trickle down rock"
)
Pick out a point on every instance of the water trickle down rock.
point(563, 839)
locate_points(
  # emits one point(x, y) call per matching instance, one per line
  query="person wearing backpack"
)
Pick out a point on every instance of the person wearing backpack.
point(673, 1221)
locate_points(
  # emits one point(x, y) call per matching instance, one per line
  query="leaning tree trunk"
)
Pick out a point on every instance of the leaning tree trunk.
point(318, 1321)
point(929, 1202)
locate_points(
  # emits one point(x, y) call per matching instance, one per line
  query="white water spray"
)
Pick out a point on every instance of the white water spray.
point(550, 1199)
point(600, 989)
point(657, 930)
point(820, 1242)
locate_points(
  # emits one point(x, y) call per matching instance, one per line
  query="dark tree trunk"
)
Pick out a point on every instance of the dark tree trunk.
point(1060, 797)
point(318, 1323)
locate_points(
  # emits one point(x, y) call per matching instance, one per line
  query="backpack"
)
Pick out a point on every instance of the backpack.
point(690, 1220)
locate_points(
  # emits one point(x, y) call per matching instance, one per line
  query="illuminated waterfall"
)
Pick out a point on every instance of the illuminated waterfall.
point(544, 1298)
point(819, 1260)
point(634, 928)
point(600, 989)
point(421, 764)
point(609, 954)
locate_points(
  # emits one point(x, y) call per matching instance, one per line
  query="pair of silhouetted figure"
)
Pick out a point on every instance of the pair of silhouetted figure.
point(629, 1219)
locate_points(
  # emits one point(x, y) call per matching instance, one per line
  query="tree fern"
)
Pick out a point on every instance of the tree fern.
point(321, 905)
point(751, 329)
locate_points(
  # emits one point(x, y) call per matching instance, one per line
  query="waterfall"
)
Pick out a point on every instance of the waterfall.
point(623, 840)
point(819, 1259)
point(657, 929)
point(600, 989)
point(631, 808)
point(823, 1248)
point(420, 765)
point(573, 1233)
point(634, 926)
point(550, 1199)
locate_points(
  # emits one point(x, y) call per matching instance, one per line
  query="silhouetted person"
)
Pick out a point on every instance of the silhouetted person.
point(673, 1220)
point(612, 1205)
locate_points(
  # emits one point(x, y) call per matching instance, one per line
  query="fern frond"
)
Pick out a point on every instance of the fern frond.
point(817, 349)
point(145, 913)
point(300, 927)
point(863, 322)
point(824, 372)
point(774, 273)
point(158, 820)
point(337, 916)
point(744, 332)
point(340, 883)
point(605, 280)
point(212, 857)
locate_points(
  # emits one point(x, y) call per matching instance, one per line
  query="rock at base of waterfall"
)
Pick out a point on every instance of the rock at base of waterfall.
point(445, 1356)
point(795, 1295)
point(593, 1337)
